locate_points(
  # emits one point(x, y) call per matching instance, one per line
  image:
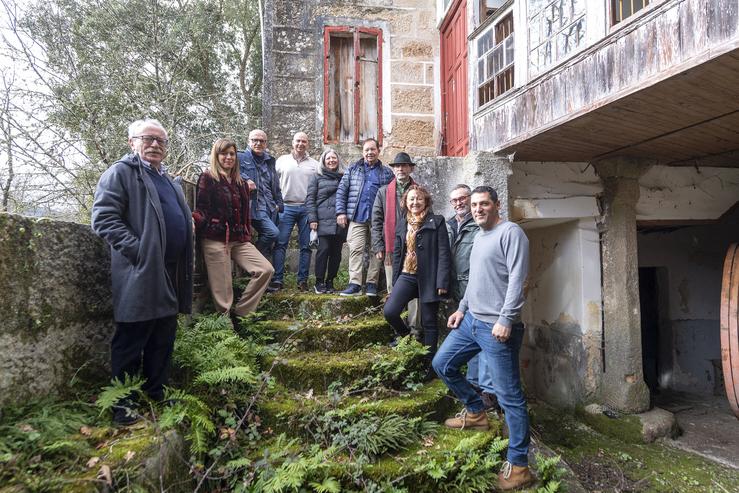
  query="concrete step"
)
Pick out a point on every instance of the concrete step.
point(284, 410)
point(316, 335)
point(316, 370)
point(308, 306)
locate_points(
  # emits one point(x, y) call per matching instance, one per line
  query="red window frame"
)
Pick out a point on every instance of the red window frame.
point(356, 31)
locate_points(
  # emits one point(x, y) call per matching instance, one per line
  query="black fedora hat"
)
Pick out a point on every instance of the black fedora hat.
point(402, 158)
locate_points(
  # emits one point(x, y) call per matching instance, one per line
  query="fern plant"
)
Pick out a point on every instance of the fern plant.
point(549, 473)
point(186, 409)
point(403, 368)
point(215, 356)
point(466, 468)
point(118, 391)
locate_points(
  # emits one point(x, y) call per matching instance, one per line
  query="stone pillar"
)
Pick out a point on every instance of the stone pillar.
point(487, 168)
point(623, 384)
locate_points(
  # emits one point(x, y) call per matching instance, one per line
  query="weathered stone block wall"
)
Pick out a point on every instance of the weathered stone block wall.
point(293, 70)
point(55, 307)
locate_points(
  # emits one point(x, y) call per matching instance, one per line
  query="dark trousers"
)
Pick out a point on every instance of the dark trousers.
point(154, 339)
point(404, 290)
point(328, 255)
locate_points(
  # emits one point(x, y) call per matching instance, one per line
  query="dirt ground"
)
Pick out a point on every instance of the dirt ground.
point(603, 461)
point(709, 427)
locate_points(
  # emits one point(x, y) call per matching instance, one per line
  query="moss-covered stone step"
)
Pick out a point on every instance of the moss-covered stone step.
point(315, 335)
point(318, 369)
point(406, 463)
point(405, 468)
point(285, 411)
point(140, 456)
point(306, 306)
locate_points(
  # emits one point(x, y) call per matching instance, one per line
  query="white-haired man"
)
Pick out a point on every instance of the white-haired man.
point(142, 215)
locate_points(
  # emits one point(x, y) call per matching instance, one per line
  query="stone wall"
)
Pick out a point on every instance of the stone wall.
point(293, 70)
point(55, 310)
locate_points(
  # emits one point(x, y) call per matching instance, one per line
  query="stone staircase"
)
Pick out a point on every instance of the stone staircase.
point(332, 339)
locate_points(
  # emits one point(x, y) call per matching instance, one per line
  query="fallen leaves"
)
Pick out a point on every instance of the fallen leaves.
point(105, 475)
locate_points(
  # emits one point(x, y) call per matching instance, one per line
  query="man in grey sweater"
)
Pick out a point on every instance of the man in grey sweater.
point(488, 319)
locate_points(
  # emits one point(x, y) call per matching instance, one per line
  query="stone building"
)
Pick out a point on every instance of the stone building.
point(609, 128)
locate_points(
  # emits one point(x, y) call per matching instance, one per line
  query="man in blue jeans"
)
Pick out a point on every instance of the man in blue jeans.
point(488, 320)
point(258, 169)
point(295, 171)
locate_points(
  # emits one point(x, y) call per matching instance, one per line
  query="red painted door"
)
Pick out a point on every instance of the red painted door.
point(454, 81)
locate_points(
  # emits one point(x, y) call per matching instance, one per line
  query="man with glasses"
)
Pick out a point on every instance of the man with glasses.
point(295, 171)
point(462, 230)
point(142, 215)
point(258, 169)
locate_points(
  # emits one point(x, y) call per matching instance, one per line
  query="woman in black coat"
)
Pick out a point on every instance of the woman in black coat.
point(321, 206)
point(421, 264)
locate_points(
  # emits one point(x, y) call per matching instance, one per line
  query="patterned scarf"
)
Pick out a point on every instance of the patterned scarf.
point(391, 200)
point(410, 265)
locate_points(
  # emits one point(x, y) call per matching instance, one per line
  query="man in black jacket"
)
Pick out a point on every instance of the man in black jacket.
point(143, 216)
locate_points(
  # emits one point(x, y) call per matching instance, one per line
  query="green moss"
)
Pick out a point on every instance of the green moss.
point(308, 306)
point(317, 370)
point(17, 274)
point(325, 336)
point(626, 428)
point(282, 410)
point(405, 463)
point(659, 467)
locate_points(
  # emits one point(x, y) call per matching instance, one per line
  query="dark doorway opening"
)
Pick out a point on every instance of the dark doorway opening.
point(649, 305)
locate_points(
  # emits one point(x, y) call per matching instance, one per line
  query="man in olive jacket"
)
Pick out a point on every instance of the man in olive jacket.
point(141, 213)
point(462, 230)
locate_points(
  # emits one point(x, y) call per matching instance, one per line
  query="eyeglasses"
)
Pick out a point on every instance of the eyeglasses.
point(150, 139)
point(459, 200)
point(258, 141)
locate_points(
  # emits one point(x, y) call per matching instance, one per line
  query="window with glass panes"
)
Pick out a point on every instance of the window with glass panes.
point(621, 9)
point(556, 29)
point(495, 60)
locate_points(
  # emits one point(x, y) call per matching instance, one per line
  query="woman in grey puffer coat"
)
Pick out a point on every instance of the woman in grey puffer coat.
point(321, 206)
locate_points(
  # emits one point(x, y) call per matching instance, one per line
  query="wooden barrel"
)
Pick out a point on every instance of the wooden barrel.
point(730, 326)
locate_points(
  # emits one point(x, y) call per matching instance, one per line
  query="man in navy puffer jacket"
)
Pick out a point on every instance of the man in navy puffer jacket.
point(354, 199)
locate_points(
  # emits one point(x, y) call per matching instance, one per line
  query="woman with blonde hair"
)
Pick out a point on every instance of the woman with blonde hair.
point(321, 206)
point(223, 226)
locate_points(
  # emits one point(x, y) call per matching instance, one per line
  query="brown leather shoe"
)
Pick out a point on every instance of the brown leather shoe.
point(468, 421)
point(513, 477)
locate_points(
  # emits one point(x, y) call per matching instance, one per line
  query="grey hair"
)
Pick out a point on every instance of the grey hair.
point(462, 186)
point(322, 161)
point(135, 127)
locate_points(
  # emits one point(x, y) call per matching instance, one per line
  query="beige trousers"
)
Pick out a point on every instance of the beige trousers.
point(218, 257)
point(414, 314)
point(358, 238)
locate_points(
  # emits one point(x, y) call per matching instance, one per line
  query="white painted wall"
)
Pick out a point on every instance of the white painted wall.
point(561, 357)
point(667, 193)
point(693, 258)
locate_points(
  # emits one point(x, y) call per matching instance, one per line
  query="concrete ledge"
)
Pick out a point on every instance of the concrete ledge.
point(56, 314)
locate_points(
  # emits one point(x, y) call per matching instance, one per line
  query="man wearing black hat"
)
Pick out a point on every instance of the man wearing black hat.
point(389, 198)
